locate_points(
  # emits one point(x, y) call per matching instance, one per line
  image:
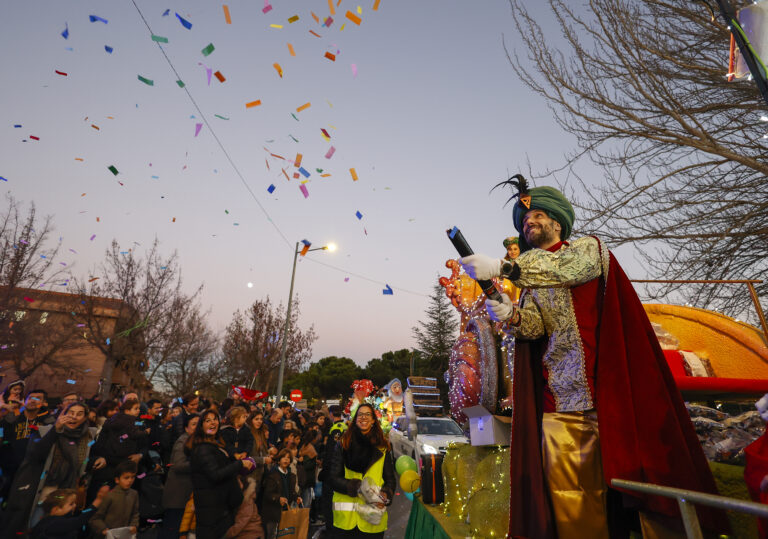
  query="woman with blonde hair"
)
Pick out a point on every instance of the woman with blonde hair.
point(260, 449)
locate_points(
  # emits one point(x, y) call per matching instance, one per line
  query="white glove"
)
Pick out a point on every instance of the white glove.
point(762, 407)
point(481, 267)
point(499, 311)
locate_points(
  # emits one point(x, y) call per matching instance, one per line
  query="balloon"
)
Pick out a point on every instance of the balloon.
point(403, 463)
point(409, 481)
point(409, 496)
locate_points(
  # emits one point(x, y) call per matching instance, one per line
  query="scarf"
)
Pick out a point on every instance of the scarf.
point(360, 453)
point(69, 452)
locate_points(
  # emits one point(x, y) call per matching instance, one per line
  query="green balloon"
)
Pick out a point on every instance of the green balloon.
point(404, 463)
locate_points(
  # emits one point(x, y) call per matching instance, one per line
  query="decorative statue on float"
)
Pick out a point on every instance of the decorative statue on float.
point(475, 373)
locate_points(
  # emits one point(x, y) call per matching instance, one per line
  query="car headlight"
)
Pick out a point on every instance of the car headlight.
point(430, 450)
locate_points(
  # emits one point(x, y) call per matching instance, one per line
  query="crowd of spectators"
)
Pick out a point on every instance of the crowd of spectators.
point(122, 467)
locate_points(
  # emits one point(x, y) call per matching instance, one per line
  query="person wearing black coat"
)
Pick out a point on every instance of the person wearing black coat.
point(120, 439)
point(238, 439)
point(280, 490)
point(216, 492)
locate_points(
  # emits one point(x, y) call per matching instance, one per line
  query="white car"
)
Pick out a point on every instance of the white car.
point(433, 436)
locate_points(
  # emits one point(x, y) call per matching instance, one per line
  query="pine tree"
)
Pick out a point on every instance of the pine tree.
point(435, 336)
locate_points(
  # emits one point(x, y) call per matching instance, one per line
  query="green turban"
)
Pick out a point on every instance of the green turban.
point(550, 200)
point(509, 241)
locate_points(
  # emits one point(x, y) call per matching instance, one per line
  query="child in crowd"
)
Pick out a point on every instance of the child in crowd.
point(280, 489)
point(120, 508)
point(60, 520)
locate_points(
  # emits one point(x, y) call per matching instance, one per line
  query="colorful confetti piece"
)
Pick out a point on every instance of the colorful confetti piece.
point(376, 5)
point(271, 189)
point(184, 22)
point(290, 49)
point(278, 26)
point(297, 162)
point(60, 73)
point(330, 152)
point(180, 83)
point(198, 127)
point(387, 291)
point(353, 172)
point(304, 172)
point(208, 49)
point(267, 7)
point(253, 104)
point(159, 39)
point(278, 69)
point(95, 18)
point(354, 18)
point(227, 17)
point(219, 76)
point(108, 49)
point(304, 191)
point(305, 106)
point(65, 33)
point(293, 19)
point(148, 82)
point(330, 56)
point(112, 169)
point(358, 215)
point(354, 70)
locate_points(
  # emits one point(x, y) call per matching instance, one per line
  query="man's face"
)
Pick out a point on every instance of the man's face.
point(34, 401)
point(513, 251)
point(275, 417)
point(155, 409)
point(192, 406)
point(539, 229)
point(67, 400)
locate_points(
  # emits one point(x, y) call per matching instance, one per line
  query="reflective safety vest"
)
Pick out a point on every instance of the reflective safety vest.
point(345, 515)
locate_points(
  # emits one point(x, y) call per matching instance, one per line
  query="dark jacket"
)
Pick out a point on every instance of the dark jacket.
point(120, 438)
point(62, 527)
point(17, 430)
point(237, 441)
point(273, 491)
point(350, 486)
point(178, 485)
point(274, 430)
point(215, 488)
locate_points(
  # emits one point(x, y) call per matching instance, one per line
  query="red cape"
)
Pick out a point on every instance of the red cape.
point(645, 431)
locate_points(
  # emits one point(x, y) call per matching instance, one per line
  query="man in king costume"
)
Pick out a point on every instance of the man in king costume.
point(593, 398)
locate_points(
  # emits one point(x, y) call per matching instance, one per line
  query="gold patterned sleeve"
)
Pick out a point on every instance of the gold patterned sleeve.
point(574, 264)
point(531, 324)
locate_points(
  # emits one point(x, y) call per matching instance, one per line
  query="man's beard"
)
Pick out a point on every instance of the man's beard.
point(541, 235)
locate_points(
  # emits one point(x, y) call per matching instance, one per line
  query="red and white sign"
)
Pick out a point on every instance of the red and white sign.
point(249, 394)
point(295, 395)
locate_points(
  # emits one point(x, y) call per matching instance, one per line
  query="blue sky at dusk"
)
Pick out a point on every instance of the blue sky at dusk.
point(430, 118)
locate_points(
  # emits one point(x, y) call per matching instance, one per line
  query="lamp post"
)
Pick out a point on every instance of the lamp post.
point(330, 247)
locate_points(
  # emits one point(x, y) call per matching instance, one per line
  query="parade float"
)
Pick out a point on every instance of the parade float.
point(719, 364)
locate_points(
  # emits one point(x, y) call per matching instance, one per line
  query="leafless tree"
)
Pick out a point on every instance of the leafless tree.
point(152, 309)
point(253, 339)
point(642, 86)
point(30, 339)
point(190, 360)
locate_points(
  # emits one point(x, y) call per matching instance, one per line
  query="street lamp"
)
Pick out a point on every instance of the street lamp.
point(330, 247)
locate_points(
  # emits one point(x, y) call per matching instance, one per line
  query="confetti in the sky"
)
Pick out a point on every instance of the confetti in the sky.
point(227, 17)
point(198, 127)
point(354, 18)
point(304, 107)
point(304, 190)
point(387, 291)
point(108, 49)
point(113, 169)
point(293, 19)
point(159, 39)
point(290, 49)
point(95, 18)
point(60, 73)
point(148, 82)
point(219, 76)
point(353, 172)
point(304, 172)
point(358, 215)
point(278, 69)
point(267, 7)
point(330, 152)
point(271, 188)
point(354, 70)
point(65, 33)
point(185, 23)
point(208, 49)
point(253, 104)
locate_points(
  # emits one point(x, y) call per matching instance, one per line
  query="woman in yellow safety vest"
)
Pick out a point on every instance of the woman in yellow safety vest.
point(363, 458)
